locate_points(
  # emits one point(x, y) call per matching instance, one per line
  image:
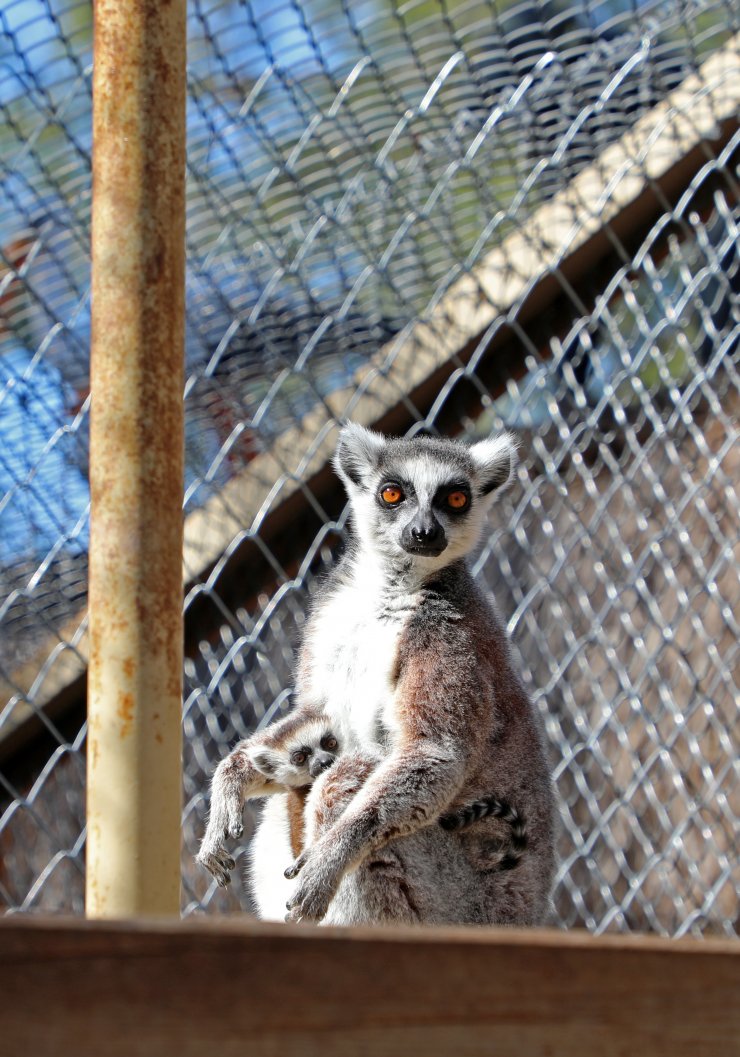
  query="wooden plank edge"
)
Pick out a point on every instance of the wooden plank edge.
point(235, 987)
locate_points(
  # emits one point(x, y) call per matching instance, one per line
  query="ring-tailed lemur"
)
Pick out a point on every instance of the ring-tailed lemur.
point(283, 759)
point(406, 658)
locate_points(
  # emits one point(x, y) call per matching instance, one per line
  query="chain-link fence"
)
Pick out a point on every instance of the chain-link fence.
point(452, 214)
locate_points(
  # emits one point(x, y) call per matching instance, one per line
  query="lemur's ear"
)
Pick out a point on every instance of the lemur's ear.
point(357, 452)
point(265, 760)
point(495, 459)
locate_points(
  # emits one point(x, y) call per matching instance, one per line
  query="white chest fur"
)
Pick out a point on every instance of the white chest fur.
point(353, 645)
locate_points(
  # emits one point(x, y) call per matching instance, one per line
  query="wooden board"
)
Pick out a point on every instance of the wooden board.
point(234, 987)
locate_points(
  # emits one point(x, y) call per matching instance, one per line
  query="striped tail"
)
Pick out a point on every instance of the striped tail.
point(491, 806)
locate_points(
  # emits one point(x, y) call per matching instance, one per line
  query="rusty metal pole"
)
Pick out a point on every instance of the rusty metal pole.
point(136, 464)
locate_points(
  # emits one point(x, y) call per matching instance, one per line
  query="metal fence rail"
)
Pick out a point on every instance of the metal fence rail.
point(458, 215)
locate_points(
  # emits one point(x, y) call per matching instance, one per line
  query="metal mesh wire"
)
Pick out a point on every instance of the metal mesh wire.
point(351, 170)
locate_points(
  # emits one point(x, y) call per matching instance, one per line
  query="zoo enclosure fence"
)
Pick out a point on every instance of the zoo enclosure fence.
point(455, 216)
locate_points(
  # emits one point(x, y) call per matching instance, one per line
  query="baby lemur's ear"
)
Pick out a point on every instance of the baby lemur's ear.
point(265, 760)
point(495, 459)
point(357, 452)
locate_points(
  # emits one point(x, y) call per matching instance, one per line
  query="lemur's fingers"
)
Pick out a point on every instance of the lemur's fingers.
point(316, 887)
point(218, 864)
point(310, 904)
point(297, 866)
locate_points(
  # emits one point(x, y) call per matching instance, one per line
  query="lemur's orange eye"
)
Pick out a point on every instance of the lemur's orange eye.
point(298, 758)
point(457, 500)
point(391, 494)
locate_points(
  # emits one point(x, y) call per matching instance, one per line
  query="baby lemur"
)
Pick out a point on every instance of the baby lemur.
point(406, 659)
point(283, 759)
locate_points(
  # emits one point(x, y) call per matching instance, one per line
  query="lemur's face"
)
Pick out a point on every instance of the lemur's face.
point(424, 498)
point(299, 759)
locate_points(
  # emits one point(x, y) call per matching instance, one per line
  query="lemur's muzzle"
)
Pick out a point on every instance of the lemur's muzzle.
point(424, 535)
point(319, 763)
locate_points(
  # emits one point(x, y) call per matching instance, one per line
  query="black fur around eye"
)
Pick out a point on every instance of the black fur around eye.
point(329, 743)
point(298, 758)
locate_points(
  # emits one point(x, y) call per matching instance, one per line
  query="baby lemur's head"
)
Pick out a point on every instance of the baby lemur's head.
point(297, 758)
point(422, 499)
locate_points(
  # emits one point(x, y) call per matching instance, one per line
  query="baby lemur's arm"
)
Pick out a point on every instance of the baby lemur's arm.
point(236, 780)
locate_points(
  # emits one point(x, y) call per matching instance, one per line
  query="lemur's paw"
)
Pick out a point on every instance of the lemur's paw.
point(218, 863)
point(297, 866)
point(235, 829)
point(315, 891)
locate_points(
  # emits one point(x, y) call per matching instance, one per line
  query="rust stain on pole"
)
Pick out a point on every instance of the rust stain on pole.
point(136, 465)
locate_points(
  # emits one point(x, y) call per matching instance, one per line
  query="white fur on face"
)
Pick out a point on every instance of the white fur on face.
point(428, 475)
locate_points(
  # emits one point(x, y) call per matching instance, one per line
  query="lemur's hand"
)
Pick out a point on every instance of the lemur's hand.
point(213, 854)
point(218, 863)
point(321, 869)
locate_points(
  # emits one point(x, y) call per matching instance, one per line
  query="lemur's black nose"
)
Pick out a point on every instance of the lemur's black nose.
point(319, 763)
point(424, 535)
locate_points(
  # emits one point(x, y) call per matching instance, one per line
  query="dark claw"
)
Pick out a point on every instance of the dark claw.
point(293, 916)
point(296, 868)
